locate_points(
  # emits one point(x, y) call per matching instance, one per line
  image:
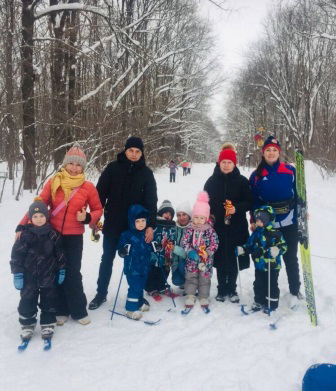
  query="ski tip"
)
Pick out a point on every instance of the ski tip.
point(47, 344)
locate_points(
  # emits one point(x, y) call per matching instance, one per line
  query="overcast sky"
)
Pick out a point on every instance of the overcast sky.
point(234, 31)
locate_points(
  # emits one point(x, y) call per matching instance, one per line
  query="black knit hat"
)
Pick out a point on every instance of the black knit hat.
point(166, 207)
point(271, 141)
point(38, 207)
point(134, 142)
point(142, 215)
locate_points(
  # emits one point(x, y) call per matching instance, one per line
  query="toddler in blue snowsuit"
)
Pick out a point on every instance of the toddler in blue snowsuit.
point(136, 253)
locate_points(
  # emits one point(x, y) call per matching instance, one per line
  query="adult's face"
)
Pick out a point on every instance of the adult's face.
point(226, 166)
point(133, 154)
point(271, 155)
point(74, 169)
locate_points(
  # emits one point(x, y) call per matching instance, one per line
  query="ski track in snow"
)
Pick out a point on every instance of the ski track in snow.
point(223, 350)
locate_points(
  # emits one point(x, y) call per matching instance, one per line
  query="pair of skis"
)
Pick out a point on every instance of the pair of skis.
point(187, 310)
point(24, 344)
point(302, 210)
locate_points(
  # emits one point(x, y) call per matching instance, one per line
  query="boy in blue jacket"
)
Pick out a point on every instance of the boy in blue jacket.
point(136, 253)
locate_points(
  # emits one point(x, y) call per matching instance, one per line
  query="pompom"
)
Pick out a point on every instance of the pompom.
point(38, 199)
point(229, 146)
point(203, 196)
point(76, 145)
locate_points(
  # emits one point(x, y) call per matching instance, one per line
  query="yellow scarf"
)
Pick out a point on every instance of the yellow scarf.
point(67, 183)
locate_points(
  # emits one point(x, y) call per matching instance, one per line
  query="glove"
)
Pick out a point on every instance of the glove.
point(201, 267)
point(18, 281)
point(239, 251)
point(156, 247)
point(274, 251)
point(60, 276)
point(192, 254)
point(123, 252)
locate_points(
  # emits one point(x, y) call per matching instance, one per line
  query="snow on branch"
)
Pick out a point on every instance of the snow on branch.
point(94, 92)
point(69, 7)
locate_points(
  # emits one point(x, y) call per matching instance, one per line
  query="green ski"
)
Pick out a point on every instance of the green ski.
point(302, 210)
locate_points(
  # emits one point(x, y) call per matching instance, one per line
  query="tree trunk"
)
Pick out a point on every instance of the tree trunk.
point(28, 97)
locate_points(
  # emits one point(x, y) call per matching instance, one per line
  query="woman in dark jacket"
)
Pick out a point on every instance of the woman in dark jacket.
point(227, 184)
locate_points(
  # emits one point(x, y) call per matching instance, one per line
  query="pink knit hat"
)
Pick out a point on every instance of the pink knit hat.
point(75, 155)
point(201, 206)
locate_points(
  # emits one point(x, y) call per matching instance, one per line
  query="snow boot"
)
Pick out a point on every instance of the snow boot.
point(47, 331)
point(233, 297)
point(97, 302)
point(256, 307)
point(145, 306)
point(220, 298)
point(27, 332)
point(155, 295)
point(190, 301)
point(136, 315)
point(61, 320)
point(204, 302)
point(84, 321)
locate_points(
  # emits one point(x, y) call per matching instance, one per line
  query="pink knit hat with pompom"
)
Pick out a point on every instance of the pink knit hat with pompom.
point(75, 155)
point(201, 206)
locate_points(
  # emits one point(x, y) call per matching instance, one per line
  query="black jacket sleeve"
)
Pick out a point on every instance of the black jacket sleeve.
point(19, 252)
point(151, 198)
point(104, 184)
point(246, 202)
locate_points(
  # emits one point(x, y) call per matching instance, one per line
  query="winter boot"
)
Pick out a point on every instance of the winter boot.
point(84, 321)
point(145, 306)
point(256, 307)
point(220, 298)
point(204, 302)
point(27, 332)
point(155, 295)
point(47, 331)
point(61, 320)
point(233, 297)
point(97, 302)
point(136, 315)
point(190, 301)
point(170, 293)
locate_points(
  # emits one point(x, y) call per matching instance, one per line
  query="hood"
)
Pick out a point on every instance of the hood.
point(269, 209)
point(133, 213)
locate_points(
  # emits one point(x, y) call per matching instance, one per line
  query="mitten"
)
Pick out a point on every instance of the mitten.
point(60, 276)
point(192, 254)
point(201, 267)
point(239, 251)
point(274, 251)
point(18, 281)
point(124, 251)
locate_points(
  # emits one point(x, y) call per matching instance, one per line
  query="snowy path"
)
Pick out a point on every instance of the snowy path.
point(220, 351)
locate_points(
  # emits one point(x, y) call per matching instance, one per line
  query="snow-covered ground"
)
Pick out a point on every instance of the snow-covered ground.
point(223, 350)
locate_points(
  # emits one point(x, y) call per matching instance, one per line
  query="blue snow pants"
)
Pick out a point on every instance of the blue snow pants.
point(136, 285)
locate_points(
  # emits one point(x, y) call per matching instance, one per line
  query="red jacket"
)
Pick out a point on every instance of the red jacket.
point(87, 195)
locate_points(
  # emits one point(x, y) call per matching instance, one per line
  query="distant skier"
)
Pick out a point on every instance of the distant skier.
point(172, 171)
point(38, 264)
point(274, 183)
point(185, 168)
point(189, 167)
point(266, 245)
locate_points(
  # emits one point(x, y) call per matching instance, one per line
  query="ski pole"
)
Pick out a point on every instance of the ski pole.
point(240, 289)
point(269, 289)
point(115, 301)
point(167, 285)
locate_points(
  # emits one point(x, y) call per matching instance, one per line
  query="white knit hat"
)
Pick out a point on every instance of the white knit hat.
point(184, 207)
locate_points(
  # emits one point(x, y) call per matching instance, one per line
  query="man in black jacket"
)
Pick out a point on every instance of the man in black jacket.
point(124, 182)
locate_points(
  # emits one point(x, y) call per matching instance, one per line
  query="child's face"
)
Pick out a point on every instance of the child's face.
point(199, 220)
point(259, 223)
point(167, 215)
point(183, 219)
point(140, 224)
point(39, 219)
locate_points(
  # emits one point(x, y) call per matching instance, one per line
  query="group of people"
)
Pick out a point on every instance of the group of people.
point(46, 256)
point(173, 167)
